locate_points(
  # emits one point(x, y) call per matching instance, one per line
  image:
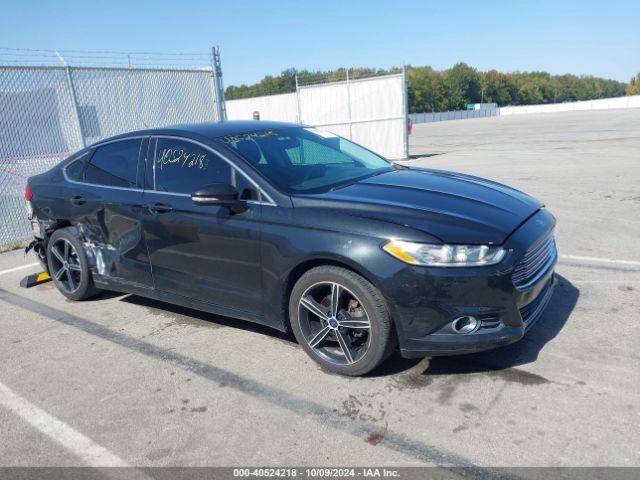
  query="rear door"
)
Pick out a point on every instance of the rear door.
point(105, 203)
point(202, 252)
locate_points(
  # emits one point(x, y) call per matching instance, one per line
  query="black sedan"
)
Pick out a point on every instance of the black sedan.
point(302, 230)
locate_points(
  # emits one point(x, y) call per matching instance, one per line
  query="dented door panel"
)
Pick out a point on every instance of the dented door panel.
point(109, 224)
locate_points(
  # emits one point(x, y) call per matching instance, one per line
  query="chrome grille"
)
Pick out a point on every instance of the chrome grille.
point(532, 312)
point(535, 263)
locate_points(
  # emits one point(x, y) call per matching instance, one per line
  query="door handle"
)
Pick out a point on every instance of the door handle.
point(159, 208)
point(77, 200)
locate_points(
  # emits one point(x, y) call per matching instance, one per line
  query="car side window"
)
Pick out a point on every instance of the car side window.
point(182, 167)
point(114, 164)
point(75, 170)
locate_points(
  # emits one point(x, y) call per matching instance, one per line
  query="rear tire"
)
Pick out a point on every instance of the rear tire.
point(341, 320)
point(68, 265)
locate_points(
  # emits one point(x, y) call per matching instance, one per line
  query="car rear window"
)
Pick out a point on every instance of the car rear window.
point(115, 164)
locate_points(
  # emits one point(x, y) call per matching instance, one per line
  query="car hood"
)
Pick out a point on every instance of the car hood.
point(453, 207)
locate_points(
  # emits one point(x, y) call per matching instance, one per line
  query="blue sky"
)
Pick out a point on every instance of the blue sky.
point(265, 37)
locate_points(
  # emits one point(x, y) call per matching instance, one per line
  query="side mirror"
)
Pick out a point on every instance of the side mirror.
point(221, 194)
point(215, 194)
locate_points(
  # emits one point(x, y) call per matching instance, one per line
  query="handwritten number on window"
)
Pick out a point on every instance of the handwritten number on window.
point(182, 158)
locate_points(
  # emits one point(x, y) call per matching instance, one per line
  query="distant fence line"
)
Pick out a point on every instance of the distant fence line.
point(599, 104)
point(452, 115)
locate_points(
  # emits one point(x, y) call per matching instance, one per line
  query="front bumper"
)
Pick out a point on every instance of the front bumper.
point(424, 301)
point(492, 333)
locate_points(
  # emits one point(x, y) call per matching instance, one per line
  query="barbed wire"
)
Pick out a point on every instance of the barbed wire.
point(10, 56)
point(306, 78)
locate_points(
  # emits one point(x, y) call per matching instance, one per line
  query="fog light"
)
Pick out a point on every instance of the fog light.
point(465, 324)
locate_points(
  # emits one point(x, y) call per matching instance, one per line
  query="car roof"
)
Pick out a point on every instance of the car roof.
point(211, 130)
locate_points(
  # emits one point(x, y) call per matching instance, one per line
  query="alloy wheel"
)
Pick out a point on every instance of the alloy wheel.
point(334, 323)
point(66, 265)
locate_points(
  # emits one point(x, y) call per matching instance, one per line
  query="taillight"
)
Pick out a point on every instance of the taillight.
point(27, 193)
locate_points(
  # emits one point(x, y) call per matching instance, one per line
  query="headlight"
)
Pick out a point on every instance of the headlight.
point(444, 255)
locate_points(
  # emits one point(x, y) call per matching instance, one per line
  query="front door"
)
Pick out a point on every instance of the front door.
point(197, 251)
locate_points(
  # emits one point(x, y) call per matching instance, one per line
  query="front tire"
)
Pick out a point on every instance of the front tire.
point(68, 265)
point(341, 320)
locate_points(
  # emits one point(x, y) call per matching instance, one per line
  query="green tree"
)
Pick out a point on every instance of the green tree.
point(499, 88)
point(463, 86)
point(530, 93)
point(634, 86)
point(426, 89)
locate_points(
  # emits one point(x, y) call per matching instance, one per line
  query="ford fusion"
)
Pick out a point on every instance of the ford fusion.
point(301, 230)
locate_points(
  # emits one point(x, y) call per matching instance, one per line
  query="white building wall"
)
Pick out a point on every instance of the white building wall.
point(600, 104)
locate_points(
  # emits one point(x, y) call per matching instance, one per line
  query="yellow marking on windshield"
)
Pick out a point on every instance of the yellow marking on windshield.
point(249, 136)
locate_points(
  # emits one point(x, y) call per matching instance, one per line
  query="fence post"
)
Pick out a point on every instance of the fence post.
point(405, 106)
point(349, 105)
point(214, 94)
point(218, 87)
point(298, 99)
point(74, 100)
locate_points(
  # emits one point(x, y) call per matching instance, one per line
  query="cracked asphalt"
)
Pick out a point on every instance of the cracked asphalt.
point(158, 385)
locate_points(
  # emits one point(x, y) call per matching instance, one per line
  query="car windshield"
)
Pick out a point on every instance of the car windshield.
point(306, 160)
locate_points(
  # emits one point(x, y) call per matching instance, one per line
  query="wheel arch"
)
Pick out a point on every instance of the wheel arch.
point(40, 244)
point(304, 266)
point(52, 226)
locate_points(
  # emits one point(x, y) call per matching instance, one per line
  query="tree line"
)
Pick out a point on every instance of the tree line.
point(431, 90)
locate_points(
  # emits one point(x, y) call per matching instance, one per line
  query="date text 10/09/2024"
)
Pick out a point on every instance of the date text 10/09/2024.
point(316, 472)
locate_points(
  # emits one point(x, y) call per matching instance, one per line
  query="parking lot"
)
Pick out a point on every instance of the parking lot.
point(121, 380)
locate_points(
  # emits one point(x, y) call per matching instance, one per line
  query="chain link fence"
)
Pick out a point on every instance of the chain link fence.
point(47, 113)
